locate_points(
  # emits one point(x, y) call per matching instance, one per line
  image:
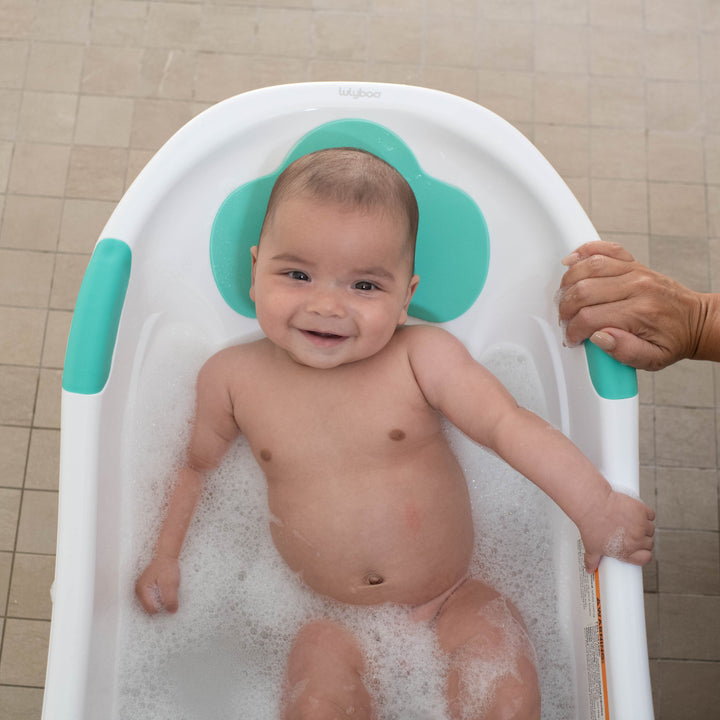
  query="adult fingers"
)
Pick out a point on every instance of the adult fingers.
point(598, 247)
point(596, 266)
point(631, 350)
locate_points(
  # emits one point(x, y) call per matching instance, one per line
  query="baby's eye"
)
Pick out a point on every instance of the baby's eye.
point(364, 285)
point(298, 275)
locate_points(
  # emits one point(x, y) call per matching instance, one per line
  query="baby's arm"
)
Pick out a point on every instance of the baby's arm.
point(610, 523)
point(214, 430)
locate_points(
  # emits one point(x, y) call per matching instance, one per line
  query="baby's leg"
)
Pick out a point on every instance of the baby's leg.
point(492, 669)
point(324, 676)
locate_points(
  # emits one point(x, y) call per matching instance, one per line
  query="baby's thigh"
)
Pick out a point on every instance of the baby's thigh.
point(324, 675)
point(492, 661)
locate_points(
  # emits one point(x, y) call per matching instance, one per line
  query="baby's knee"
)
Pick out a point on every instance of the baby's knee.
point(323, 642)
point(312, 707)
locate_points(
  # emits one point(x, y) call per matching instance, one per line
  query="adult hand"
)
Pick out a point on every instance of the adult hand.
point(638, 316)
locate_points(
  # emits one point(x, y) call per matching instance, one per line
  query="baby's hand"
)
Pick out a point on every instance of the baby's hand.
point(622, 527)
point(157, 587)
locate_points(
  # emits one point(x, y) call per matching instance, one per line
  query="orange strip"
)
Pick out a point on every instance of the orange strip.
point(602, 645)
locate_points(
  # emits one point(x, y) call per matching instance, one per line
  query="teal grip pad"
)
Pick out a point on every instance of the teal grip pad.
point(611, 379)
point(96, 318)
point(453, 247)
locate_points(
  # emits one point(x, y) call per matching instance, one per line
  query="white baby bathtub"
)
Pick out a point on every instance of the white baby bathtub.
point(153, 266)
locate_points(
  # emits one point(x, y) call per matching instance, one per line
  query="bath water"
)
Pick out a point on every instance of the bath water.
point(222, 655)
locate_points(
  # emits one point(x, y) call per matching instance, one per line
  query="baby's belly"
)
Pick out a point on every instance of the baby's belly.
point(377, 540)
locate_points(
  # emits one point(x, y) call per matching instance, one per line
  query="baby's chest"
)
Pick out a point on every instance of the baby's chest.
point(338, 424)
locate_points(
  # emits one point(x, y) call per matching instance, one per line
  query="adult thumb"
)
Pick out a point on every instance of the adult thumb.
point(629, 349)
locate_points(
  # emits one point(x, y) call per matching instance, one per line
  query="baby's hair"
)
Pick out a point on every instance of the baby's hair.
point(348, 176)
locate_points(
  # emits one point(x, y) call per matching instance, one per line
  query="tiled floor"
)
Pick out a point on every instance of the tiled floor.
point(623, 96)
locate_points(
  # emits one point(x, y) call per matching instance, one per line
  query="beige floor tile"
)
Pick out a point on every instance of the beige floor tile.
point(619, 206)
point(677, 209)
point(47, 117)
point(221, 75)
point(5, 159)
point(561, 99)
point(9, 513)
point(55, 67)
point(459, 81)
point(562, 49)
point(688, 562)
point(167, 73)
point(96, 173)
point(39, 169)
point(617, 102)
point(13, 60)
point(617, 52)
point(31, 223)
point(618, 153)
point(617, 14)
point(30, 587)
point(673, 106)
point(712, 158)
point(154, 122)
point(62, 22)
point(17, 394)
point(340, 36)
point(713, 220)
point(506, 47)
point(24, 654)
point(230, 28)
point(572, 12)
point(25, 278)
point(509, 94)
point(47, 408)
point(104, 121)
point(687, 690)
point(67, 278)
point(13, 455)
point(56, 335)
point(37, 529)
point(647, 434)
point(395, 39)
point(120, 22)
point(21, 335)
point(687, 383)
point(20, 703)
point(566, 147)
point(672, 56)
point(110, 70)
point(685, 437)
point(81, 224)
point(10, 101)
point(43, 460)
point(687, 499)
point(669, 15)
point(6, 559)
point(518, 11)
point(675, 157)
point(684, 259)
point(690, 626)
point(330, 70)
point(452, 41)
point(172, 24)
point(284, 32)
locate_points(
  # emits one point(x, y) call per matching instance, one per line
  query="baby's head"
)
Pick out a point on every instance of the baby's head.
point(349, 177)
point(332, 274)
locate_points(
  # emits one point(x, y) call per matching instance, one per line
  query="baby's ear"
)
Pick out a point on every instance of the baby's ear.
point(253, 254)
point(412, 287)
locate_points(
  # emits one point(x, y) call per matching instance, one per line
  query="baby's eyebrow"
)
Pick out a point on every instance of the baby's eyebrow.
point(290, 257)
point(377, 271)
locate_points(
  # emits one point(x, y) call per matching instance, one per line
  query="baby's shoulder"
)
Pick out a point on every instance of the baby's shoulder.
point(419, 338)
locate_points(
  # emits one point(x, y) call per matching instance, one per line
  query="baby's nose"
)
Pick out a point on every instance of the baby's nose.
point(327, 302)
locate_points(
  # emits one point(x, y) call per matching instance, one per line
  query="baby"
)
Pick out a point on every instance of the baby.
point(342, 407)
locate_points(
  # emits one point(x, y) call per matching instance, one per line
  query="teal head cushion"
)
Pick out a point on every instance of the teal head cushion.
point(453, 248)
